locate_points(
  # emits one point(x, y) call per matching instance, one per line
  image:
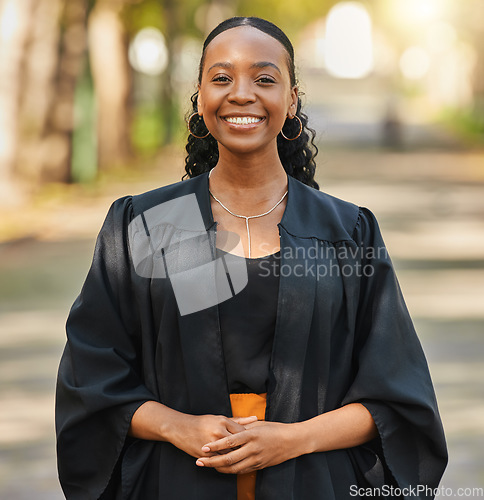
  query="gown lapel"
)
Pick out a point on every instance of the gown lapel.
point(297, 289)
point(204, 362)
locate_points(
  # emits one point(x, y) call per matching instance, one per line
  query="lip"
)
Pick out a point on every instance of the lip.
point(243, 126)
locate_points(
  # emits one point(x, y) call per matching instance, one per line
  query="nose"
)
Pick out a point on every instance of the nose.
point(242, 92)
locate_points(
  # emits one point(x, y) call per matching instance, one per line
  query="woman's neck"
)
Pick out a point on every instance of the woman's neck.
point(249, 173)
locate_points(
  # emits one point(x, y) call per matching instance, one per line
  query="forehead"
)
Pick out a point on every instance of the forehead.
point(245, 44)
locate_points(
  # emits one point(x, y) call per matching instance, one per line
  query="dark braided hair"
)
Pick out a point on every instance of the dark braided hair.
point(297, 156)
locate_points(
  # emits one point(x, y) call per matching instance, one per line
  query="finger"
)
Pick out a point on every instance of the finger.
point(219, 452)
point(234, 427)
point(244, 420)
point(232, 441)
point(242, 467)
point(223, 461)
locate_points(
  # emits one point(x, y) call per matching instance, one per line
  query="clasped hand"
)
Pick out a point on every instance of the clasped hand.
point(261, 444)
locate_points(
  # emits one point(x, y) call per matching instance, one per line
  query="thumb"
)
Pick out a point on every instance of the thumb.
point(234, 425)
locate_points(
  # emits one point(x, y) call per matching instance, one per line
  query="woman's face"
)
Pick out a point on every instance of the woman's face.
point(245, 93)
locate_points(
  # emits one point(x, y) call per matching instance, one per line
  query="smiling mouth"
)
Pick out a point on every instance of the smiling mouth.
point(243, 120)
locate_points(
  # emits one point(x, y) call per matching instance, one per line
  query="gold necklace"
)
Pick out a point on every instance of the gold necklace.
point(246, 217)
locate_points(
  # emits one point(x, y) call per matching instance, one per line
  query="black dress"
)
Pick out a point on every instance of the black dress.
point(247, 323)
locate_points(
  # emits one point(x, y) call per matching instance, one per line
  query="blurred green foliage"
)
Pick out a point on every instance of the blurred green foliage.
point(140, 15)
point(468, 123)
point(147, 129)
point(290, 16)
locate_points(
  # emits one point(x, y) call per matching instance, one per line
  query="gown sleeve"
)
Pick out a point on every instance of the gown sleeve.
point(99, 386)
point(392, 378)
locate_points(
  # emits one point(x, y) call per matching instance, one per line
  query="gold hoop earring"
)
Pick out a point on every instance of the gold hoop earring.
point(190, 130)
point(300, 130)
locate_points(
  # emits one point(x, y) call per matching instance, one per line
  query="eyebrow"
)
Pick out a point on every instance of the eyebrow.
point(265, 64)
point(260, 64)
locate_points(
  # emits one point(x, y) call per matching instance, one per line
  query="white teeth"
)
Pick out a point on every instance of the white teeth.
point(245, 120)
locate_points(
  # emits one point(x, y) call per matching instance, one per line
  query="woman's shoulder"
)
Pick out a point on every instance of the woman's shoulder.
point(149, 199)
point(323, 215)
point(323, 198)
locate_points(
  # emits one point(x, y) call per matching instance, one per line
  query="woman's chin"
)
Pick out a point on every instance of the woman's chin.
point(246, 146)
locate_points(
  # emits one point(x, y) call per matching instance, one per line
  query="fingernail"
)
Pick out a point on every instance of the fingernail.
point(199, 462)
point(205, 448)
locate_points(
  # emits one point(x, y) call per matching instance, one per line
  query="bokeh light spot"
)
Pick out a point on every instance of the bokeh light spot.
point(414, 63)
point(348, 45)
point(148, 53)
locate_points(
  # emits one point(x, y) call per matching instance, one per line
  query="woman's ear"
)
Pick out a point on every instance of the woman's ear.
point(291, 112)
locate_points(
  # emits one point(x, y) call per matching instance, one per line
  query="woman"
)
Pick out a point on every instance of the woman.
point(281, 363)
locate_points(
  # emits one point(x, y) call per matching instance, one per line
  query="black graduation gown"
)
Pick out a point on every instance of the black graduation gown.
point(343, 335)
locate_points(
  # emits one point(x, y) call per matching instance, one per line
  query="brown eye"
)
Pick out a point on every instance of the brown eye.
point(266, 80)
point(221, 79)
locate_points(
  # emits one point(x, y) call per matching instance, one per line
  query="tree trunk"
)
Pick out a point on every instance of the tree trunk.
point(15, 21)
point(40, 157)
point(168, 96)
point(39, 69)
point(112, 80)
point(57, 139)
